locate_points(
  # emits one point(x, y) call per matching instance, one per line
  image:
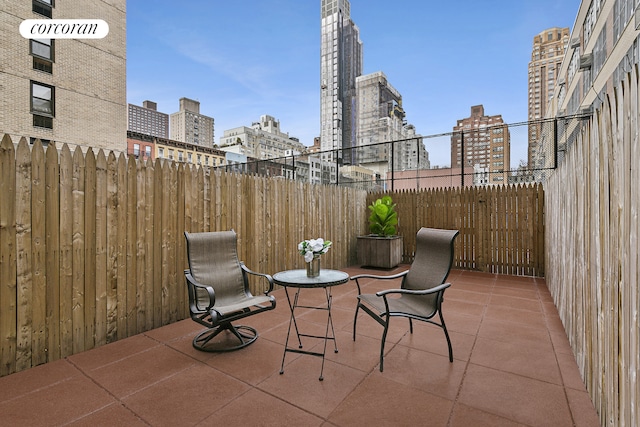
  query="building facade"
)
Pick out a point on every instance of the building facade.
point(188, 125)
point(67, 91)
point(604, 46)
point(340, 64)
point(544, 74)
point(147, 147)
point(381, 120)
point(263, 140)
point(147, 120)
point(481, 143)
point(141, 146)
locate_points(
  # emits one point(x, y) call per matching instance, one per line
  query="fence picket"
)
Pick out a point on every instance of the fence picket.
point(38, 240)
point(24, 275)
point(90, 266)
point(8, 284)
point(78, 285)
point(52, 254)
point(101, 245)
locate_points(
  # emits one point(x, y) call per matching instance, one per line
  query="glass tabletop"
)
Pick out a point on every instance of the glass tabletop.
point(299, 279)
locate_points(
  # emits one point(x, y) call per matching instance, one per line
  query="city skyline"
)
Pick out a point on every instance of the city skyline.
point(242, 62)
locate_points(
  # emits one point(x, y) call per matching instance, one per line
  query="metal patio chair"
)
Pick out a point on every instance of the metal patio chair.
point(421, 291)
point(219, 293)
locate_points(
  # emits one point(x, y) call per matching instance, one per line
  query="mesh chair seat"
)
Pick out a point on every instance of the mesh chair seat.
point(402, 306)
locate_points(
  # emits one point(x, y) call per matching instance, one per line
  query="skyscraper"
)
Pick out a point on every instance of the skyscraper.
point(481, 145)
point(147, 120)
point(544, 70)
point(340, 64)
point(188, 125)
point(381, 119)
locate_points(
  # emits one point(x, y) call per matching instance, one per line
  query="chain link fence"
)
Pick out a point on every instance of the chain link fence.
point(517, 153)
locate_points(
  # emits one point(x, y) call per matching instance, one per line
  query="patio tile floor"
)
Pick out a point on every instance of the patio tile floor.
point(513, 366)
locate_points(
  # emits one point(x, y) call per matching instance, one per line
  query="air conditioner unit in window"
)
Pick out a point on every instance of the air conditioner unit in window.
point(586, 61)
point(575, 42)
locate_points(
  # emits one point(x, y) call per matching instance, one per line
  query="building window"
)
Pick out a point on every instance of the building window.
point(42, 52)
point(42, 104)
point(147, 151)
point(42, 7)
point(161, 153)
point(45, 142)
point(136, 150)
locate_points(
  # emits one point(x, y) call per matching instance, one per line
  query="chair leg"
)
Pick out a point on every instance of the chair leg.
point(446, 334)
point(384, 340)
point(355, 320)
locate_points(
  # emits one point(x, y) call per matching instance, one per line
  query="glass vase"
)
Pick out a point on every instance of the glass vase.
point(313, 267)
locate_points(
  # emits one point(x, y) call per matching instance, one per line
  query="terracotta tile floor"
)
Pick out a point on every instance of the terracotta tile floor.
point(512, 367)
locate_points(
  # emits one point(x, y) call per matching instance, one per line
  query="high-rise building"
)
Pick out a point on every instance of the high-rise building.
point(69, 91)
point(381, 120)
point(481, 145)
point(147, 120)
point(340, 64)
point(544, 71)
point(263, 140)
point(188, 125)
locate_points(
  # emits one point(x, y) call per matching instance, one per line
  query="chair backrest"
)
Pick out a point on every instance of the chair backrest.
point(433, 259)
point(213, 261)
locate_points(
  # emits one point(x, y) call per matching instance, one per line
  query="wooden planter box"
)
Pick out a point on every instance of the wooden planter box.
point(379, 252)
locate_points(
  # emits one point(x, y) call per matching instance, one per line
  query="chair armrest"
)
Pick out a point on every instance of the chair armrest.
point(373, 276)
point(433, 290)
point(209, 289)
point(266, 276)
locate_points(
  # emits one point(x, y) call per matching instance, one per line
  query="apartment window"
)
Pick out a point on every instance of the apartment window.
point(45, 142)
point(42, 7)
point(42, 104)
point(147, 151)
point(136, 150)
point(42, 52)
point(161, 153)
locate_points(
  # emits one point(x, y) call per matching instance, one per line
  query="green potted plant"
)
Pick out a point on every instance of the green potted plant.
point(383, 247)
point(383, 218)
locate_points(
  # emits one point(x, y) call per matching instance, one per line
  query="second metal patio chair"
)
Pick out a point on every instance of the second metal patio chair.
point(422, 289)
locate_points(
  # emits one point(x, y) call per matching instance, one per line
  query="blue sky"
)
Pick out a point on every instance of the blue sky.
point(242, 59)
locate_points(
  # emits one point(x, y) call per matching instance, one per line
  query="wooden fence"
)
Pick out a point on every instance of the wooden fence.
point(593, 261)
point(92, 247)
point(501, 228)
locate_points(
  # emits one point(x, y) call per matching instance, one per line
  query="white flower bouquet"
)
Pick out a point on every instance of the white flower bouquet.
point(313, 248)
